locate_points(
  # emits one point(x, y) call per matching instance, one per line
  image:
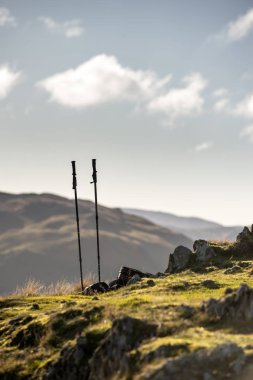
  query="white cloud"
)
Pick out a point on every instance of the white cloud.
point(241, 27)
point(221, 104)
point(70, 29)
point(6, 18)
point(203, 146)
point(181, 101)
point(8, 79)
point(220, 92)
point(248, 132)
point(245, 107)
point(100, 80)
point(245, 110)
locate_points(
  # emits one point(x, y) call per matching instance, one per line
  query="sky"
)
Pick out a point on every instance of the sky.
point(159, 92)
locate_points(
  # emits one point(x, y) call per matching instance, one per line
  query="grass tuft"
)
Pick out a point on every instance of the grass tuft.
point(34, 288)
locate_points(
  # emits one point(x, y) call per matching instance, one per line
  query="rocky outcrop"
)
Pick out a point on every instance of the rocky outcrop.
point(222, 362)
point(246, 234)
point(72, 363)
point(179, 259)
point(203, 251)
point(244, 243)
point(183, 258)
point(234, 306)
point(113, 355)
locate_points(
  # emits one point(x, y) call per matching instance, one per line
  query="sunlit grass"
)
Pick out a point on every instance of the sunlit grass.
point(65, 315)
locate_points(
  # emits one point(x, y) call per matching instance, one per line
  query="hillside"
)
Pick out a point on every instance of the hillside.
point(194, 228)
point(155, 329)
point(38, 239)
point(193, 322)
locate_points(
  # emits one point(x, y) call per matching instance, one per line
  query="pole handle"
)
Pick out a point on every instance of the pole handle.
point(74, 185)
point(94, 174)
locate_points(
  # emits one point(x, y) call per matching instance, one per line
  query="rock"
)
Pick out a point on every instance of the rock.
point(179, 259)
point(158, 275)
point(226, 359)
point(181, 286)
point(150, 283)
point(73, 362)
point(234, 269)
point(244, 244)
point(136, 278)
point(210, 284)
point(228, 291)
point(204, 253)
point(186, 311)
point(244, 235)
point(115, 284)
point(164, 351)
point(112, 359)
point(235, 306)
point(35, 306)
point(29, 336)
point(125, 274)
point(22, 320)
point(98, 287)
point(244, 264)
point(210, 269)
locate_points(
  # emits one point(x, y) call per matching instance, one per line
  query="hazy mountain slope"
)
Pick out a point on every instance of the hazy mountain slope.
point(194, 228)
point(38, 239)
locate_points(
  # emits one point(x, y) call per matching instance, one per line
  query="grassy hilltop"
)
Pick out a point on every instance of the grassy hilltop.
point(137, 332)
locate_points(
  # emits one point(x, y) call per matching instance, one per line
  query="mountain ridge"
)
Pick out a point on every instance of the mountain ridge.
point(38, 239)
point(193, 227)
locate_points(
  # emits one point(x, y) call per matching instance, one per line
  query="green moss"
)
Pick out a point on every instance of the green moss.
point(29, 336)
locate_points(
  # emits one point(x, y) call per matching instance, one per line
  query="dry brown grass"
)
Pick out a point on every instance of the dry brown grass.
point(222, 243)
point(33, 287)
point(30, 288)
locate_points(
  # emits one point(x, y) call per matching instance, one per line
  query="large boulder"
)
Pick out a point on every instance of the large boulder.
point(236, 306)
point(203, 251)
point(179, 259)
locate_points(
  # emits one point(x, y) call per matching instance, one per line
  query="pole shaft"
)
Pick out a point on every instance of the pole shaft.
point(98, 247)
point(79, 240)
point(77, 223)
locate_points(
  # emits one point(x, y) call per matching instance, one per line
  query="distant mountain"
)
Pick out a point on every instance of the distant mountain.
point(193, 228)
point(38, 239)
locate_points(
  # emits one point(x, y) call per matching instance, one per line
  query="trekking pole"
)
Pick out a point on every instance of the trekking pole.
point(94, 176)
point(77, 221)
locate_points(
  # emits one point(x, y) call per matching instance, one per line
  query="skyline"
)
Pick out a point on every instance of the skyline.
point(159, 93)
